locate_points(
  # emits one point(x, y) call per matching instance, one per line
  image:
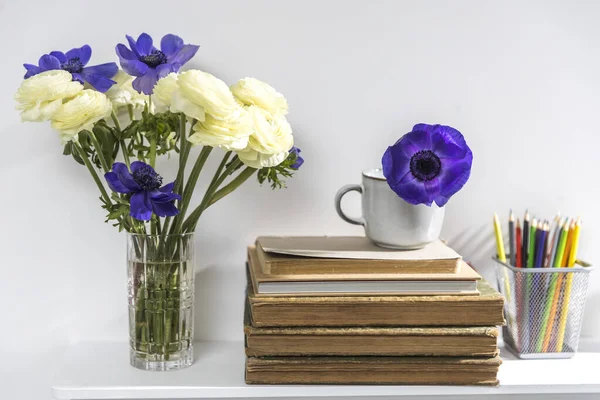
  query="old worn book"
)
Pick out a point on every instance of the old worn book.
point(350, 254)
point(327, 311)
point(462, 283)
point(377, 341)
point(372, 370)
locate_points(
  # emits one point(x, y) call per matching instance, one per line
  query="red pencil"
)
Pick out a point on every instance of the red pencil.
point(519, 245)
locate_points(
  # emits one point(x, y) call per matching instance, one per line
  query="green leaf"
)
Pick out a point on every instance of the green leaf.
point(68, 149)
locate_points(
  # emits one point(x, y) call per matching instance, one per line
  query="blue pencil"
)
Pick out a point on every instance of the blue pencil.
point(540, 242)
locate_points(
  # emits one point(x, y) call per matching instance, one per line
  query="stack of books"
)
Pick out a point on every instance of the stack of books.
point(339, 310)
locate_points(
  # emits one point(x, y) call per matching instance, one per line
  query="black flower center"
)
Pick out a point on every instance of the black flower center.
point(425, 165)
point(147, 178)
point(73, 65)
point(154, 59)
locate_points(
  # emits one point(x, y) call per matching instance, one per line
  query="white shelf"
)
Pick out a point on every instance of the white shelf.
point(101, 371)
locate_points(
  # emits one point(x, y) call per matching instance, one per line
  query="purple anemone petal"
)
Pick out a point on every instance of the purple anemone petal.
point(395, 164)
point(454, 176)
point(170, 44)
point(115, 184)
point(165, 209)
point(419, 139)
point(144, 44)
point(432, 188)
point(160, 197)
point(164, 70)
point(134, 67)
point(85, 53)
point(124, 53)
point(98, 82)
point(31, 70)
point(59, 55)
point(444, 147)
point(145, 84)
point(299, 160)
point(449, 132)
point(78, 77)
point(184, 54)
point(48, 62)
point(125, 176)
point(412, 191)
point(133, 46)
point(140, 206)
point(107, 70)
point(73, 53)
point(167, 188)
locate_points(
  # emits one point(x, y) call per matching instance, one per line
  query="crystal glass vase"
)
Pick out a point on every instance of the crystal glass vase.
point(160, 272)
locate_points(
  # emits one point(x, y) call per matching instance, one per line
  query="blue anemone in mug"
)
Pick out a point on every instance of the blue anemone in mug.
point(429, 164)
point(144, 185)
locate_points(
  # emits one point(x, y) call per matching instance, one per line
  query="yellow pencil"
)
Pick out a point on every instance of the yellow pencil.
point(565, 310)
point(501, 253)
point(499, 241)
point(565, 258)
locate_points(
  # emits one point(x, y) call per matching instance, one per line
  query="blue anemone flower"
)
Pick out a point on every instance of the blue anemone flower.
point(430, 163)
point(299, 160)
point(75, 61)
point(143, 183)
point(148, 64)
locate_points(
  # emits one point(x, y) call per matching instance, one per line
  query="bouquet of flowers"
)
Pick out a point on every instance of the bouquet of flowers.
point(116, 122)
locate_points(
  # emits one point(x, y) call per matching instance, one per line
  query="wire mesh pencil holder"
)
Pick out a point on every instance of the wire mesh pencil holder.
point(543, 309)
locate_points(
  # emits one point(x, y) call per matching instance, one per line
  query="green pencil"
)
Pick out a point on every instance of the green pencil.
point(560, 251)
point(531, 258)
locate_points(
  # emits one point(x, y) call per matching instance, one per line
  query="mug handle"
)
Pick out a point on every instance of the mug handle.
point(338, 204)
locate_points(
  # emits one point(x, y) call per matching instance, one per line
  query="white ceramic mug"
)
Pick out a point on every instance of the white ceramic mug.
point(390, 221)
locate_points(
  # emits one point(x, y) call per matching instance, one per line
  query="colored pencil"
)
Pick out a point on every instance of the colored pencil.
point(511, 238)
point(554, 294)
point(525, 239)
point(519, 250)
point(565, 309)
point(531, 250)
point(554, 244)
point(501, 253)
point(565, 259)
point(499, 239)
point(553, 229)
point(541, 244)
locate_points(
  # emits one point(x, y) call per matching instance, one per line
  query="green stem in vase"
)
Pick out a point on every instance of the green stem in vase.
point(224, 191)
point(214, 185)
point(184, 152)
point(189, 188)
point(231, 186)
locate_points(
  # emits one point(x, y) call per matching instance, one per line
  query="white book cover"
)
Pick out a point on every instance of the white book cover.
point(354, 247)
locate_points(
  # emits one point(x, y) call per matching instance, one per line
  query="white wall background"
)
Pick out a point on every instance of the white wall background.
point(520, 79)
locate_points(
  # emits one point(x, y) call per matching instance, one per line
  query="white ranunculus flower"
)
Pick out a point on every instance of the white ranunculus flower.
point(163, 92)
point(201, 90)
point(81, 112)
point(123, 94)
point(254, 159)
point(230, 134)
point(253, 92)
point(42, 95)
point(270, 141)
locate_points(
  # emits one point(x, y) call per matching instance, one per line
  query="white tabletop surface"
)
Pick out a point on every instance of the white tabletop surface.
point(101, 371)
